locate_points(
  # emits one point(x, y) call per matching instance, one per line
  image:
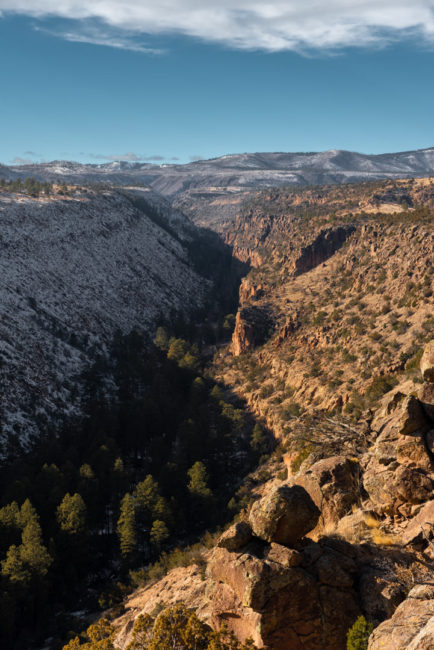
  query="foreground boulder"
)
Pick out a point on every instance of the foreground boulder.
point(334, 486)
point(412, 625)
point(285, 599)
point(399, 471)
point(284, 516)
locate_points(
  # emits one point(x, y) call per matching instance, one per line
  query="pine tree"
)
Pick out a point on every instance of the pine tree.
point(161, 339)
point(71, 516)
point(147, 503)
point(33, 552)
point(170, 628)
point(14, 568)
point(9, 527)
point(161, 511)
point(200, 494)
point(198, 483)
point(27, 514)
point(147, 494)
point(100, 632)
point(126, 527)
point(159, 534)
point(177, 349)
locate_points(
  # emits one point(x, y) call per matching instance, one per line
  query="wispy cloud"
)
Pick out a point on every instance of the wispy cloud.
point(130, 156)
point(99, 35)
point(22, 161)
point(244, 24)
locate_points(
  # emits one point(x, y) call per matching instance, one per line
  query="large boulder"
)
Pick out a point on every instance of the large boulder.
point(399, 470)
point(411, 626)
point(412, 484)
point(427, 363)
point(426, 397)
point(334, 486)
point(237, 536)
point(284, 516)
point(411, 416)
point(421, 527)
point(283, 598)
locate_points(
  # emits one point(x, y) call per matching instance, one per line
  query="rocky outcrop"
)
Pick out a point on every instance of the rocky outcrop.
point(334, 486)
point(326, 243)
point(236, 536)
point(252, 328)
point(285, 599)
point(426, 398)
point(420, 528)
point(284, 516)
point(292, 323)
point(399, 472)
point(412, 625)
point(427, 363)
point(246, 255)
point(281, 591)
point(184, 584)
point(250, 290)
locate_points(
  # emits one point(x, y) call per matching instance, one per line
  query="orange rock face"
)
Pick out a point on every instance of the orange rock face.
point(285, 599)
point(412, 625)
point(252, 327)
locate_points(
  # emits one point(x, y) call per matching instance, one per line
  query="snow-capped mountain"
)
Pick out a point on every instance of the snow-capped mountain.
point(249, 170)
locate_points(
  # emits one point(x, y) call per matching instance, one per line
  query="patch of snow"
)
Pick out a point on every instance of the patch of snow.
point(72, 271)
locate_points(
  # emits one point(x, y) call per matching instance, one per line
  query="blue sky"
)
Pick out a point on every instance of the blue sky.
point(94, 88)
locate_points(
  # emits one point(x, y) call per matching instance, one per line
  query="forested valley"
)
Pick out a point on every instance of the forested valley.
point(104, 501)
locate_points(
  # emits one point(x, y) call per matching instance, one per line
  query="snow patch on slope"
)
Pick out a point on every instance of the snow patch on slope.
point(72, 272)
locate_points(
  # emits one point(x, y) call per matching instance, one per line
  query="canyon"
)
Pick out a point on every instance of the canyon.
point(331, 352)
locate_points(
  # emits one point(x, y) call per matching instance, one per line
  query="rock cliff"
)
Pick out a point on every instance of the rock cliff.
point(349, 293)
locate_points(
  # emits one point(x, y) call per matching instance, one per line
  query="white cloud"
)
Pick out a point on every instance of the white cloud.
point(130, 156)
point(244, 24)
point(97, 35)
point(22, 161)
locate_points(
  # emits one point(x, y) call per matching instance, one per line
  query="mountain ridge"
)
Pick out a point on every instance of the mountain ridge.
point(242, 170)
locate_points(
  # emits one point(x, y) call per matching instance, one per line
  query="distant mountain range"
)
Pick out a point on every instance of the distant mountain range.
point(247, 171)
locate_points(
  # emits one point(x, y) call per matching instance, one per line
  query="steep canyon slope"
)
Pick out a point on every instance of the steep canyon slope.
point(73, 270)
point(339, 299)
